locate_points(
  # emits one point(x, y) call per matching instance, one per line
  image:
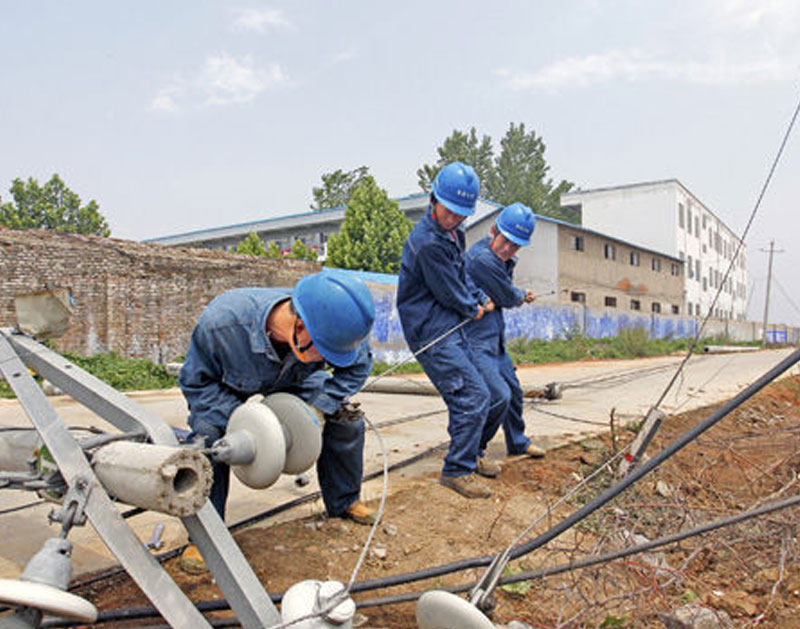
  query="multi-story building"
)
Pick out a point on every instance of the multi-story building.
point(570, 263)
point(665, 216)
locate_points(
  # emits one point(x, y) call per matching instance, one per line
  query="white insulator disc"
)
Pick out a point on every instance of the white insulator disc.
point(46, 598)
point(438, 609)
point(265, 431)
point(303, 427)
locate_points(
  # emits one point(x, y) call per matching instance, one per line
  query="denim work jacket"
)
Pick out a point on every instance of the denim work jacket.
point(493, 276)
point(230, 358)
point(434, 293)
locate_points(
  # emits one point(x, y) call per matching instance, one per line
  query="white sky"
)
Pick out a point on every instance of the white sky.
point(182, 115)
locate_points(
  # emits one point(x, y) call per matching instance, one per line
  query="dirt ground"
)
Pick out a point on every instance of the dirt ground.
point(749, 572)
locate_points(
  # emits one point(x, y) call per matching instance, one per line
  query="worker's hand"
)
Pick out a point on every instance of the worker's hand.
point(481, 312)
point(529, 296)
point(489, 305)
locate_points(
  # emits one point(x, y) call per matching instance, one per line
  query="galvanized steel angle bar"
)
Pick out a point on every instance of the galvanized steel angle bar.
point(171, 602)
point(235, 577)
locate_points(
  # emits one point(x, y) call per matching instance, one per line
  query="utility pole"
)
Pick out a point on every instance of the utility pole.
point(772, 251)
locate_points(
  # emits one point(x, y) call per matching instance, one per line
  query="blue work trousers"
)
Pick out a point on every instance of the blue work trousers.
point(450, 365)
point(339, 468)
point(506, 398)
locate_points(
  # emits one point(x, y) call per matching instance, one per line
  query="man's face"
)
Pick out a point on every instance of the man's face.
point(302, 345)
point(447, 220)
point(503, 247)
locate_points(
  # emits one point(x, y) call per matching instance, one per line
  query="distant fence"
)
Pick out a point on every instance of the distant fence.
point(543, 320)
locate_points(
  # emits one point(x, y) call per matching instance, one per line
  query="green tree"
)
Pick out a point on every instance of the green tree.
point(337, 187)
point(373, 232)
point(52, 206)
point(301, 251)
point(461, 147)
point(252, 246)
point(518, 173)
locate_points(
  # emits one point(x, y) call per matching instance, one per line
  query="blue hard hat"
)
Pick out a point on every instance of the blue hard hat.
point(338, 311)
point(516, 222)
point(456, 187)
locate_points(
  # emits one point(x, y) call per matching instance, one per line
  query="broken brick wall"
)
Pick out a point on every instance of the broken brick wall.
point(136, 299)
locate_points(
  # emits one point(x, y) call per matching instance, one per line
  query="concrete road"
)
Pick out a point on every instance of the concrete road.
point(592, 389)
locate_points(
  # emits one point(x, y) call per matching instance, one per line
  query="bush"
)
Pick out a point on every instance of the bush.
point(124, 374)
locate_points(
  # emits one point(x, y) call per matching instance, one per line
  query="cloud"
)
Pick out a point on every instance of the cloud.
point(222, 80)
point(634, 66)
point(164, 101)
point(259, 20)
point(343, 57)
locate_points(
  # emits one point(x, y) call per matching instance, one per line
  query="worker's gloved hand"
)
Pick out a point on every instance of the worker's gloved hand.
point(529, 296)
point(347, 412)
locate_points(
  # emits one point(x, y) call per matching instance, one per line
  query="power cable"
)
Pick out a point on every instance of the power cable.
point(785, 293)
point(29, 505)
point(210, 606)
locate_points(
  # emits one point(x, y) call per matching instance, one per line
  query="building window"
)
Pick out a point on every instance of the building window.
point(656, 264)
point(610, 252)
point(611, 302)
point(689, 219)
point(674, 269)
point(690, 308)
point(690, 268)
point(697, 226)
point(577, 243)
point(705, 284)
point(705, 220)
point(578, 297)
point(681, 220)
point(697, 309)
point(676, 309)
point(697, 269)
point(634, 258)
point(636, 304)
point(656, 307)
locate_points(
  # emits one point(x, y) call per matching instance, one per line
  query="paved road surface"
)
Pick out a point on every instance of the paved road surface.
point(593, 388)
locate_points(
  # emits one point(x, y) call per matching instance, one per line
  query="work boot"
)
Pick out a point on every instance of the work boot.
point(535, 452)
point(468, 486)
point(488, 468)
point(361, 513)
point(192, 561)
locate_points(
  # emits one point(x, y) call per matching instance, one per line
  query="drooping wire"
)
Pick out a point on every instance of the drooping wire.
point(735, 256)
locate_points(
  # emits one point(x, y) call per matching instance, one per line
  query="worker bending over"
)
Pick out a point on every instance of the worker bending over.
point(265, 340)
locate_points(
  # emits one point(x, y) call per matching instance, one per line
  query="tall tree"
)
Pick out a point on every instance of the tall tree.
point(337, 187)
point(52, 206)
point(521, 174)
point(461, 147)
point(518, 173)
point(373, 232)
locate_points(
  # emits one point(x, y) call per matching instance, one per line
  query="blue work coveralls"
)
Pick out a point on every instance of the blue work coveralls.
point(433, 296)
point(231, 358)
point(495, 277)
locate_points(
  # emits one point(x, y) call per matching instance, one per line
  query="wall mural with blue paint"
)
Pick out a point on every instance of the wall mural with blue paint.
point(544, 321)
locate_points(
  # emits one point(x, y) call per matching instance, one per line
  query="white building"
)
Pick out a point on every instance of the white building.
point(665, 216)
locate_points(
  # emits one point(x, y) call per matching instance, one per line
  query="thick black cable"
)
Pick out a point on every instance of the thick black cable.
point(529, 575)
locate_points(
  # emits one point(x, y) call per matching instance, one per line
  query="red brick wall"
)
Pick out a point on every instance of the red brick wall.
point(135, 299)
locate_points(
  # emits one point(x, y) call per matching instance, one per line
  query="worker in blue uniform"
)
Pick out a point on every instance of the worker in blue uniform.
point(490, 265)
point(265, 340)
point(434, 295)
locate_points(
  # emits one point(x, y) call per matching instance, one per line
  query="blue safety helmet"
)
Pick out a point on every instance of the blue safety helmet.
point(456, 187)
point(338, 312)
point(516, 222)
